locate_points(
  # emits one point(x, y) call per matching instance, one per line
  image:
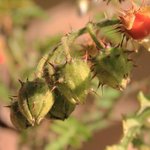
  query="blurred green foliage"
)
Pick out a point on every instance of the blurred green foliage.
point(15, 16)
point(136, 127)
point(70, 133)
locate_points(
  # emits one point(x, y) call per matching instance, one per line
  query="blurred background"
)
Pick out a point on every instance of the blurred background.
point(30, 28)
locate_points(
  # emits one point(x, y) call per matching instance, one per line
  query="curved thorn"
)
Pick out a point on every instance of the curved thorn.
point(94, 75)
point(8, 106)
point(95, 92)
point(123, 38)
point(129, 60)
point(21, 82)
point(99, 84)
point(54, 67)
point(54, 87)
point(102, 88)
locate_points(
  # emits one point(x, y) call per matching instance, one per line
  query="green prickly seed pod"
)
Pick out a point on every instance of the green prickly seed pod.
point(74, 80)
point(112, 67)
point(62, 108)
point(18, 120)
point(35, 100)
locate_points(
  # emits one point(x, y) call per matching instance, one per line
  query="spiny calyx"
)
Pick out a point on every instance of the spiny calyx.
point(74, 80)
point(35, 100)
point(112, 67)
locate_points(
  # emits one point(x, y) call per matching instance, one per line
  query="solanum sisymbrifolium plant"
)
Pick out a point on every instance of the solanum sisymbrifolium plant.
point(65, 75)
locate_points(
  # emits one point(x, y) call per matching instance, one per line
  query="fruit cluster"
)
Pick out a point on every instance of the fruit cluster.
point(61, 84)
point(54, 92)
point(63, 79)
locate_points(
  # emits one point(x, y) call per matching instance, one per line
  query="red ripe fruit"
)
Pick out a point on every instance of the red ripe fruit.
point(136, 22)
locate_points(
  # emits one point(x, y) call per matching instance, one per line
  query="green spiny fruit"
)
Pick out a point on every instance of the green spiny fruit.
point(35, 100)
point(112, 67)
point(62, 108)
point(18, 120)
point(74, 80)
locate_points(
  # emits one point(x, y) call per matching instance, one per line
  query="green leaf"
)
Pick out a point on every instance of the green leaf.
point(70, 132)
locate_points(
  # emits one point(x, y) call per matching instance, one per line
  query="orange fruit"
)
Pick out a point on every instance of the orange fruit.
point(135, 22)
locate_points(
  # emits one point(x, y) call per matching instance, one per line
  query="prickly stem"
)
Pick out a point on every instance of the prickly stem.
point(90, 29)
point(65, 44)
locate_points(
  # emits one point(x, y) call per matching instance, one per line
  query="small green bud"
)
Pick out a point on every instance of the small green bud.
point(35, 100)
point(18, 120)
point(62, 108)
point(74, 80)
